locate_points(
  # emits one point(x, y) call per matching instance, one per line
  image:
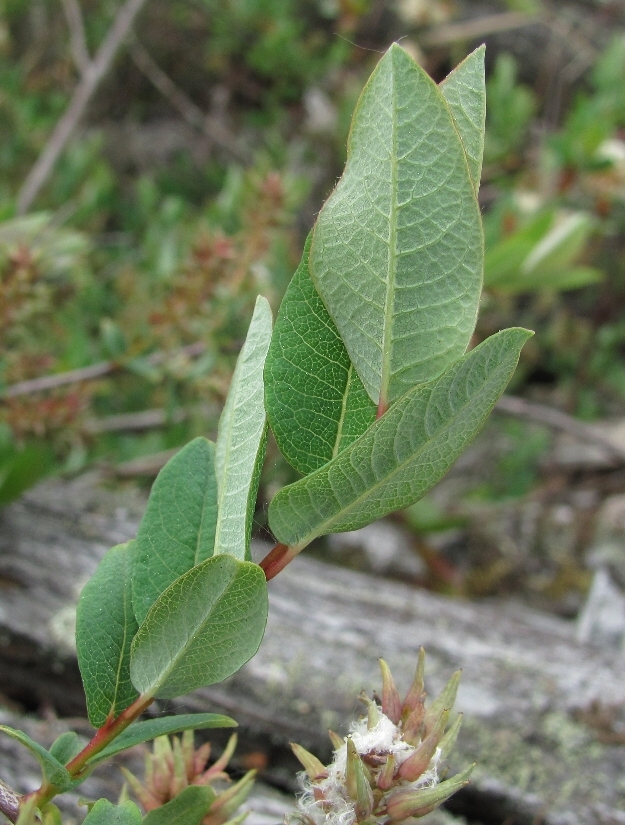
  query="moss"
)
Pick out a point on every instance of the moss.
point(553, 757)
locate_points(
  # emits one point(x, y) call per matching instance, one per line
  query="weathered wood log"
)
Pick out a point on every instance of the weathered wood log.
point(527, 683)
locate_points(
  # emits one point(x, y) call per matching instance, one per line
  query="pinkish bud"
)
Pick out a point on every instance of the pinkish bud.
point(314, 768)
point(391, 703)
point(217, 768)
point(418, 762)
point(387, 774)
point(227, 802)
point(414, 697)
point(449, 740)
point(373, 713)
point(445, 699)
point(357, 783)
point(406, 802)
point(412, 728)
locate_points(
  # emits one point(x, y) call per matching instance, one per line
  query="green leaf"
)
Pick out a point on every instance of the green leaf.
point(397, 249)
point(21, 467)
point(541, 255)
point(53, 771)
point(316, 403)
point(504, 259)
point(203, 628)
point(105, 626)
point(28, 812)
point(178, 528)
point(241, 440)
point(404, 453)
point(51, 815)
point(464, 89)
point(67, 746)
point(164, 726)
point(105, 813)
point(188, 808)
point(572, 277)
point(562, 244)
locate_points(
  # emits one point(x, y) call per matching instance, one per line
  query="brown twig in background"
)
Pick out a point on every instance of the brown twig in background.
point(209, 126)
point(78, 39)
point(60, 379)
point(89, 82)
point(474, 29)
point(147, 419)
point(557, 420)
point(147, 465)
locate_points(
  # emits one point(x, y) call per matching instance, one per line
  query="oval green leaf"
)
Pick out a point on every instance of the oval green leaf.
point(241, 440)
point(188, 808)
point(105, 813)
point(397, 249)
point(105, 627)
point(316, 403)
point(66, 746)
point(178, 528)
point(203, 628)
point(404, 453)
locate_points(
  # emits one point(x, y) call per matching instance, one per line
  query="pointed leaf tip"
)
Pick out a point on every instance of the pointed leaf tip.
point(403, 454)
point(357, 783)
point(313, 766)
point(444, 701)
point(464, 90)
point(177, 530)
point(391, 703)
point(397, 249)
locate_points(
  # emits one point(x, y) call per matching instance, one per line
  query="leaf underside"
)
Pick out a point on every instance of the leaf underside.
point(316, 403)
point(464, 90)
point(397, 250)
point(241, 440)
point(404, 453)
point(105, 627)
point(178, 528)
point(203, 628)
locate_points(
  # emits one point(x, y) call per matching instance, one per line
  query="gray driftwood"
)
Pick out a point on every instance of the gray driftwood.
point(525, 683)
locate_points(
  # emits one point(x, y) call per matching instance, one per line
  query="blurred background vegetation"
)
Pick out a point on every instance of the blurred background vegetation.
point(188, 186)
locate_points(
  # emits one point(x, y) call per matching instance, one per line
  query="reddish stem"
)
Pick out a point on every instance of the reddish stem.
point(109, 731)
point(103, 736)
point(276, 560)
point(382, 408)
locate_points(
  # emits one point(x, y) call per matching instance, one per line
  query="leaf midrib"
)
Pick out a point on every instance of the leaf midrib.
point(323, 527)
point(126, 612)
point(200, 532)
point(221, 478)
point(341, 421)
point(387, 330)
point(174, 661)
